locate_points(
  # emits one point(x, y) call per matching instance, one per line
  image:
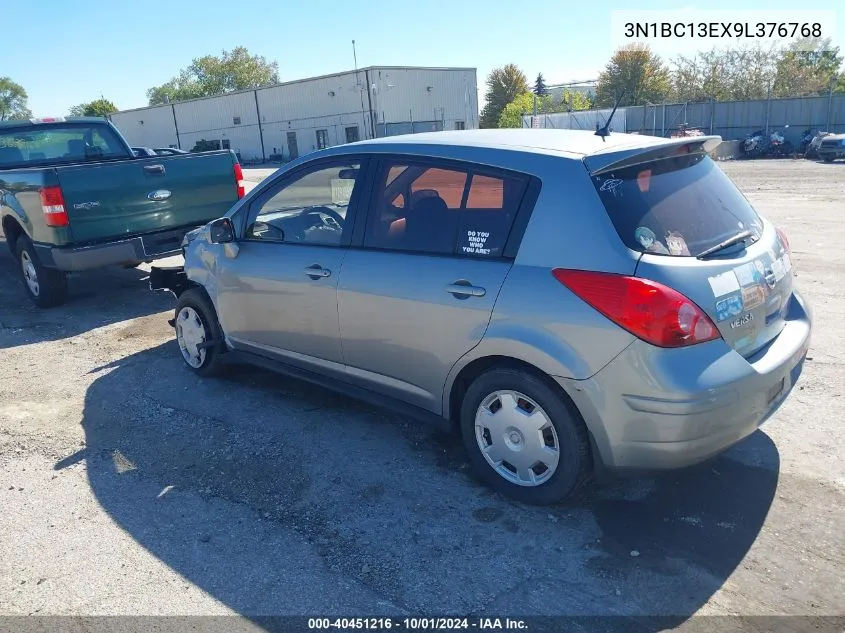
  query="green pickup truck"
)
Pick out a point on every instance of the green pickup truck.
point(73, 196)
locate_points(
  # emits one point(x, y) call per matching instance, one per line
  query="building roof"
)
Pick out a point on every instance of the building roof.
point(299, 81)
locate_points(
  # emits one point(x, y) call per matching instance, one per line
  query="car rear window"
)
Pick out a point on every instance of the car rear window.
point(51, 144)
point(678, 206)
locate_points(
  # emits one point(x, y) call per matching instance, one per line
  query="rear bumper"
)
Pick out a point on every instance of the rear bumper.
point(653, 408)
point(133, 250)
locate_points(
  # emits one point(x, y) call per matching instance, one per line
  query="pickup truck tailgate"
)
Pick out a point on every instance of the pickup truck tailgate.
point(143, 195)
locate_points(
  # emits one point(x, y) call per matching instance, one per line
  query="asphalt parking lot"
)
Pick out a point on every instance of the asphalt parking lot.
point(129, 486)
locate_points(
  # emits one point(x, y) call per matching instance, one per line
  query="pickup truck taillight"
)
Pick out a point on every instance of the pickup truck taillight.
point(53, 206)
point(239, 180)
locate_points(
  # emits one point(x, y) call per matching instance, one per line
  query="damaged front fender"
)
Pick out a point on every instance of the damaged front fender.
point(171, 278)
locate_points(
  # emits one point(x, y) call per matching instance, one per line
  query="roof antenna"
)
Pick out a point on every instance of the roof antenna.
point(605, 129)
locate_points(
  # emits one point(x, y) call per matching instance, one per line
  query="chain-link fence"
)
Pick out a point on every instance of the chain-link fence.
point(581, 120)
point(728, 119)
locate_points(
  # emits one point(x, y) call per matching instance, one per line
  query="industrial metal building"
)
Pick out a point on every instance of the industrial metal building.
point(293, 118)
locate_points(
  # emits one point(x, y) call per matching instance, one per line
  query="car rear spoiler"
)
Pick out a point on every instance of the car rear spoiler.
point(615, 157)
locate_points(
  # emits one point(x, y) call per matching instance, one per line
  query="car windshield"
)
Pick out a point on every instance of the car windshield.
point(678, 206)
point(39, 144)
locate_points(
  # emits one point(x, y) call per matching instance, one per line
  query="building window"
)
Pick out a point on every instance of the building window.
point(352, 134)
point(236, 120)
point(226, 144)
point(460, 125)
point(322, 139)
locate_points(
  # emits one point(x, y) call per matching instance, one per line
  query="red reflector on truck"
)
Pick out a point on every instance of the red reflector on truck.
point(53, 206)
point(239, 180)
point(650, 311)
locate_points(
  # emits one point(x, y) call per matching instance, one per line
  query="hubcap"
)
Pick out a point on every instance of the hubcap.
point(190, 334)
point(29, 274)
point(517, 438)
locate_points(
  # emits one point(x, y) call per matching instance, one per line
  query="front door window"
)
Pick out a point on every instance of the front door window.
point(311, 209)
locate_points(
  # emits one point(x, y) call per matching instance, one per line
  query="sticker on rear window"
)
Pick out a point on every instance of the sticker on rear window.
point(728, 307)
point(724, 284)
point(677, 244)
point(646, 237)
point(610, 184)
point(476, 241)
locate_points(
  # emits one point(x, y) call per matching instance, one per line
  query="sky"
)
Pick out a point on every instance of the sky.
point(75, 51)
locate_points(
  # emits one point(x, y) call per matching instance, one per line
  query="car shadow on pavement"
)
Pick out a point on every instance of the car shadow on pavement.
point(95, 298)
point(279, 498)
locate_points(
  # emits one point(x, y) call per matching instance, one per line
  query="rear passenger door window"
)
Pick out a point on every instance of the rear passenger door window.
point(443, 209)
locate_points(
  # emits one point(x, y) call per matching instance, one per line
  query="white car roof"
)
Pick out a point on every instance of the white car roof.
point(581, 142)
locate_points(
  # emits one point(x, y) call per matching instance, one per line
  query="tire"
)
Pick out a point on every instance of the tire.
point(828, 159)
point(195, 323)
point(497, 391)
point(46, 287)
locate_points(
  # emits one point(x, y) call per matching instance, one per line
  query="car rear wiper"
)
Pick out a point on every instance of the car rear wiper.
point(736, 239)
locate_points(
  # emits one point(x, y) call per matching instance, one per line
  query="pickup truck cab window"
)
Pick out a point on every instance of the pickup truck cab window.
point(30, 146)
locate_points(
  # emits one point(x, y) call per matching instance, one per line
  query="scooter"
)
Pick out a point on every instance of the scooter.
point(753, 144)
point(778, 145)
point(806, 139)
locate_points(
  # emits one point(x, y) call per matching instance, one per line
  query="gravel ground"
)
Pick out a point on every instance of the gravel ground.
point(128, 486)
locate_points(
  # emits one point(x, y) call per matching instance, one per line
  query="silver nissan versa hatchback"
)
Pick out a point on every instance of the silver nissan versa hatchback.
point(565, 301)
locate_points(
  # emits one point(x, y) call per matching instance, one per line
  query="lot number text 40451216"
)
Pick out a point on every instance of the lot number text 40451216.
point(416, 624)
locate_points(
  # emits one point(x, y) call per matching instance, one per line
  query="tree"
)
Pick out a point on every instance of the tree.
point(210, 75)
point(571, 101)
point(13, 100)
point(523, 103)
point(503, 85)
point(724, 74)
point(540, 86)
point(546, 104)
point(99, 107)
point(639, 72)
point(807, 67)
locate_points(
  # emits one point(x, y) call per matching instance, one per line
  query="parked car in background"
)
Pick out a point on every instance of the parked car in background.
point(831, 147)
point(73, 196)
point(143, 151)
point(565, 302)
point(169, 151)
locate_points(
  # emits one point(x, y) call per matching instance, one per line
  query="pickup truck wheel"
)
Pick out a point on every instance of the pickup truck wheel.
point(46, 287)
point(198, 333)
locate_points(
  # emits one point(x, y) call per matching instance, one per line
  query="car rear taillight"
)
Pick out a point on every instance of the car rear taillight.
point(239, 180)
point(53, 206)
point(650, 311)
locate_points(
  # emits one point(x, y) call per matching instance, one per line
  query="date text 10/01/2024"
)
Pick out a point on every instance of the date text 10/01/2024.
point(416, 624)
point(722, 29)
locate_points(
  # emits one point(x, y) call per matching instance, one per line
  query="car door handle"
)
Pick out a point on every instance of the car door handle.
point(316, 271)
point(465, 290)
point(154, 169)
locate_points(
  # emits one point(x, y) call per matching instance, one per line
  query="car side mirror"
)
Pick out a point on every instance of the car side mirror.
point(222, 231)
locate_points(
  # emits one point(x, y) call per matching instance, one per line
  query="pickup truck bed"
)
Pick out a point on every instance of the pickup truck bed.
point(95, 204)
